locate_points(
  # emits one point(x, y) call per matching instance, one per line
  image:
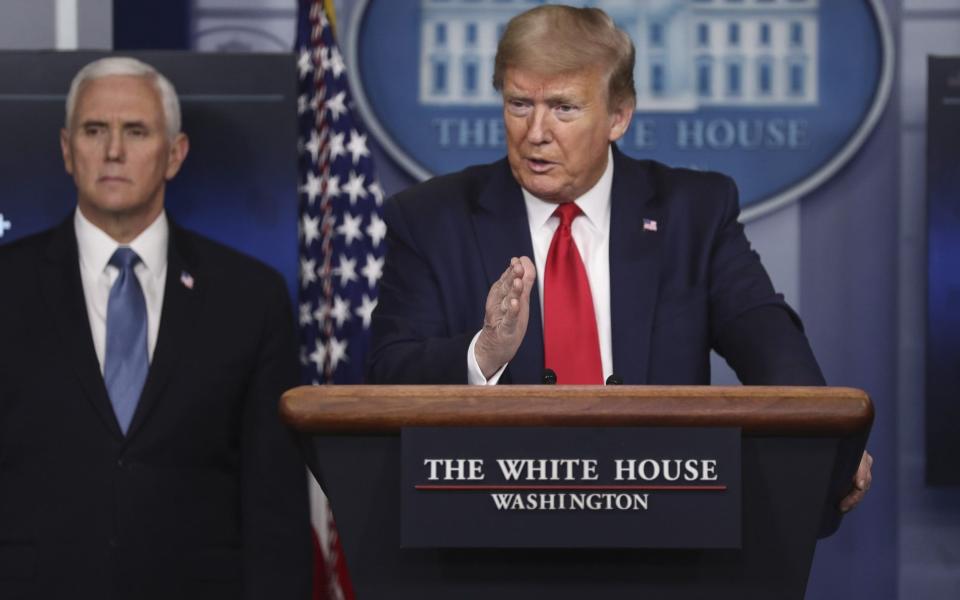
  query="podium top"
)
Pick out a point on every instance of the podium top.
point(757, 410)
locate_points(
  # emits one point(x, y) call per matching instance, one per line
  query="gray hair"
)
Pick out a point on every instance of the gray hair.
point(122, 65)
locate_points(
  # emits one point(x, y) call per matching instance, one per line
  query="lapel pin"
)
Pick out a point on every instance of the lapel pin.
point(186, 279)
point(649, 225)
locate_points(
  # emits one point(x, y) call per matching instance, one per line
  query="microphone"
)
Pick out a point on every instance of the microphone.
point(549, 377)
point(614, 379)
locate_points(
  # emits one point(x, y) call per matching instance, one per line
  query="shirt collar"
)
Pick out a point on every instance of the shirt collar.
point(595, 202)
point(96, 247)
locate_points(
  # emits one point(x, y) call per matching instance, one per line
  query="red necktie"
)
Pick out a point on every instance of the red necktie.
point(571, 343)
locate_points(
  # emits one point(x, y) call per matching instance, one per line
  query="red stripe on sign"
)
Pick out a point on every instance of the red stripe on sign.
point(622, 488)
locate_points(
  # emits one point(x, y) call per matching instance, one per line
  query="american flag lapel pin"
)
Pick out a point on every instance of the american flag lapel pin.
point(649, 225)
point(186, 279)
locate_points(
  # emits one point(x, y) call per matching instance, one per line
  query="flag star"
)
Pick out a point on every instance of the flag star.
point(313, 146)
point(346, 270)
point(337, 106)
point(336, 146)
point(372, 270)
point(355, 188)
point(357, 145)
point(365, 310)
point(350, 228)
point(333, 187)
point(304, 64)
point(336, 63)
point(312, 187)
point(303, 103)
point(340, 311)
point(337, 351)
point(309, 229)
point(377, 191)
point(306, 315)
point(308, 271)
point(377, 229)
point(318, 356)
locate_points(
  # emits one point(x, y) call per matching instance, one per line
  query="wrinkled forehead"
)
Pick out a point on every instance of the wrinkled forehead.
point(534, 83)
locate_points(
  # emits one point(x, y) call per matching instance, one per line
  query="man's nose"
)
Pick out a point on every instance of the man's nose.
point(115, 146)
point(538, 131)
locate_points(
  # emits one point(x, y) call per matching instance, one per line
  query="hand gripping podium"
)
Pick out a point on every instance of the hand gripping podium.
point(799, 449)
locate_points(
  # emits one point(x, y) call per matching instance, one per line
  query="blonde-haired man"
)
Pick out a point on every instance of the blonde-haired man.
point(568, 256)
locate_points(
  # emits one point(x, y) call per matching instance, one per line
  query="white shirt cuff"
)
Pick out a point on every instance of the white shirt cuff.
point(474, 374)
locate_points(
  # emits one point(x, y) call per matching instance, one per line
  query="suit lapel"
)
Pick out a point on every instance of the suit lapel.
point(502, 230)
point(181, 309)
point(634, 267)
point(63, 294)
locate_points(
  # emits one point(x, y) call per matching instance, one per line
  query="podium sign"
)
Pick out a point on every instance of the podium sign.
point(570, 487)
point(797, 451)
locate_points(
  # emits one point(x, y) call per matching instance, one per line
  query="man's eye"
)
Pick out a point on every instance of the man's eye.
point(566, 108)
point(92, 130)
point(137, 132)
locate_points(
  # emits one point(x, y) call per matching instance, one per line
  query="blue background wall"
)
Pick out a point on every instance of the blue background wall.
point(850, 255)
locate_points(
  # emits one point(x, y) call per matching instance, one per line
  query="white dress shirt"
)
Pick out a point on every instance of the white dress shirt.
point(97, 275)
point(591, 233)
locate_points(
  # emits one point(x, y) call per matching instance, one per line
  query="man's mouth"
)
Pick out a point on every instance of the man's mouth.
point(538, 165)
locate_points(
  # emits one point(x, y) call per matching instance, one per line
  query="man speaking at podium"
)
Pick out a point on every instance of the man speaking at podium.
point(141, 454)
point(570, 256)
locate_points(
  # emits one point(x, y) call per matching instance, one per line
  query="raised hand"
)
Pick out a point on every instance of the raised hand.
point(506, 317)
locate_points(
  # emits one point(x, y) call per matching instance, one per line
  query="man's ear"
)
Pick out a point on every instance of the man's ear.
point(65, 151)
point(179, 148)
point(620, 119)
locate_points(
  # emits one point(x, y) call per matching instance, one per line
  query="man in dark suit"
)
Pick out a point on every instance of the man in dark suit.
point(141, 453)
point(638, 269)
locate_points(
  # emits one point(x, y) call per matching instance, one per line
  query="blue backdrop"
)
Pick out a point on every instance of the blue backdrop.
point(943, 270)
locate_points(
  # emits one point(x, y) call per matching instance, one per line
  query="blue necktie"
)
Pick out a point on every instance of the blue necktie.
point(125, 365)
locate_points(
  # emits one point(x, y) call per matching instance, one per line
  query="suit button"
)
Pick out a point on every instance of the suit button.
point(113, 542)
point(120, 463)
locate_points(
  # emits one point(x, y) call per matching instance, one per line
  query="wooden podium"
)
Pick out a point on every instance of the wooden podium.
point(800, 449)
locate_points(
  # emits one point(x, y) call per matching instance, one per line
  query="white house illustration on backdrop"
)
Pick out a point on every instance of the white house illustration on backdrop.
point(690, 53)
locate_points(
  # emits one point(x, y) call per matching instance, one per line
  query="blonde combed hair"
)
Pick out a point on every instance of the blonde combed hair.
point(553, 39)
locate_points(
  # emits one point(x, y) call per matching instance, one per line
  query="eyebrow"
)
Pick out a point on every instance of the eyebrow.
point(125, 125)
point(561, 97)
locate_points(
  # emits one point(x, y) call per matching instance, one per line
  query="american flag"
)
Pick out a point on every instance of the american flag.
point(341, 229)
point(341, 236)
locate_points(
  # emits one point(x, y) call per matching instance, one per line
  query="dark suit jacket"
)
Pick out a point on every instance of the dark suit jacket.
point(692, 284)
point(206, 495)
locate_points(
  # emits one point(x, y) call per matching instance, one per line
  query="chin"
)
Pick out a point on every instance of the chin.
point(547, 194)
point(538, 189)
point(119, 207)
